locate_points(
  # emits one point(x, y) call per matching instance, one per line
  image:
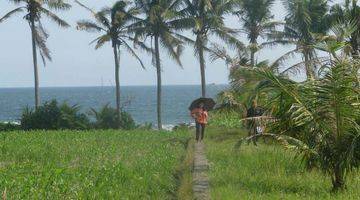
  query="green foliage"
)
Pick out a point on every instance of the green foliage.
point(257, 22)
point(304, 20)
point(160, 20)
point(45, 117)
point(227, 119)
point(106, 118)
point(318, 118)
point(7, 126)
point(348, 13)
point(72, 118)
point(52, 116)
point(90, 164)
point(265, 172)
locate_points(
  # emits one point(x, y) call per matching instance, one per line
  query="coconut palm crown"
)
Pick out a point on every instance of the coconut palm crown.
point(34, 11)
point(113, 25)
point(159, 24)
point(257, 22)
point(304, 20)
point(206, 18)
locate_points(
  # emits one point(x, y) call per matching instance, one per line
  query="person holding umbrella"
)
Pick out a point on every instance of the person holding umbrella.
point(199, 112)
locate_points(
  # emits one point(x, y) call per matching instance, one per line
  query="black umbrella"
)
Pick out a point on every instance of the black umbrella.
point(208, 103)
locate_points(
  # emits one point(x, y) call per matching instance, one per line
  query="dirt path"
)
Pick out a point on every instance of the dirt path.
point(200, 177)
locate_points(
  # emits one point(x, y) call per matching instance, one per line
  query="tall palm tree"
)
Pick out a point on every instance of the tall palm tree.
point(34, 10)
point(113, 24)
point(305, 19)
point(348, 13)
point(257, 21)
point(159, 24)
point(205, 18)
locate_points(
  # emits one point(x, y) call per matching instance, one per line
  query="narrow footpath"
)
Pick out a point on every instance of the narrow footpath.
point(201, 187)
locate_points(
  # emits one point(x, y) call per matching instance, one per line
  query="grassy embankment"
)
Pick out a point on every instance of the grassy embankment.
point(265, 172)
point(69, 164)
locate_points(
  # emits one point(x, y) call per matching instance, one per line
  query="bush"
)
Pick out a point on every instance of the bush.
point(46, 117)
point(71, 118)
point(51, 116)
point(106, 118)
point(7, 126)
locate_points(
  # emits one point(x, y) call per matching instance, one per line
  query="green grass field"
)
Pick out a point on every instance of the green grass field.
point(265, 172)
point(91, 165)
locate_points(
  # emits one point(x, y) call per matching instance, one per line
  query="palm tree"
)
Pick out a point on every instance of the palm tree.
point(305, 19)
point(320, 119)
point(348, 13)
point(159, 24)
point(205, 18)
point(34, 9)
point(113, 24)
point(257, 22)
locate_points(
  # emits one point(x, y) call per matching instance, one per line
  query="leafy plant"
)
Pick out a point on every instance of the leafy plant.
point(44, 117)
point(52, 116)
point(72, 118)
point(318, 119)
point(7, 126)
point(106, 118)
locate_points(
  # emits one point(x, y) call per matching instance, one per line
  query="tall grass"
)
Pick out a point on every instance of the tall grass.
point(90, 165)
point(265, 172)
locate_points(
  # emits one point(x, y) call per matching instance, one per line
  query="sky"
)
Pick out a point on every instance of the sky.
point(76, 63)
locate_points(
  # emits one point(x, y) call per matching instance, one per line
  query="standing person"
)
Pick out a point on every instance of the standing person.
point(253, 124)
point(200, 115)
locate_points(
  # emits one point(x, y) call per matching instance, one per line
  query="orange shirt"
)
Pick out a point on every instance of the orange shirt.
point(200, 115)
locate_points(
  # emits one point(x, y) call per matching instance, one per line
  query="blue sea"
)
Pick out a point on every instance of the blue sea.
point(139, 101)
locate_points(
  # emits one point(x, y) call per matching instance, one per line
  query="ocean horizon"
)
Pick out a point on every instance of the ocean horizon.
point(139, 101)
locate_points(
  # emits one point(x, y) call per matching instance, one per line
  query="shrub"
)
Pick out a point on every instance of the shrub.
point(51, 116)
point(46, 117)
point(7, 126)
point(106, 118)
point(71, 118)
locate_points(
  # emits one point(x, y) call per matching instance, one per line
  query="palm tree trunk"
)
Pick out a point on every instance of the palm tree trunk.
point(117, 83)
point(338, 179)
point(309, 70)
point(202, 68)
point(252, 57)
point(36, 72)
point(253, 50)
point(158, 73)
point(355, 46)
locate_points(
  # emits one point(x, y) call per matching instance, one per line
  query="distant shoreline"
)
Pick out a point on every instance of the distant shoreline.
point(107, 86)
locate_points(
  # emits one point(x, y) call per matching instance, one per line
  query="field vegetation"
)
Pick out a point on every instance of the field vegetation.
point(89, 164)
point(266, 171)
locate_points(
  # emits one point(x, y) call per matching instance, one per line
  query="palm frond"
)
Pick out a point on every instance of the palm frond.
point(11, 13)
point(102, 40)
point(86, 25)
point(54, 17)
point(133, 53)
point(57, 5)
